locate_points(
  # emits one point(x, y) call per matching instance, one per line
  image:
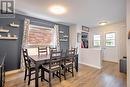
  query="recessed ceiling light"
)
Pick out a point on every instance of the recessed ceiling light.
point(57, 9)
point(103, 23)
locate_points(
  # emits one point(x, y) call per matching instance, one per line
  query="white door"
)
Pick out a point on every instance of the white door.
point(110, 47)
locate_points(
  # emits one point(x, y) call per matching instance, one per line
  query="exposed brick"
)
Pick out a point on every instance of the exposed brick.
point(39, 36)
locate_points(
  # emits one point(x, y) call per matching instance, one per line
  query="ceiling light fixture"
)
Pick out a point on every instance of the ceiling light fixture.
point(57, 9)
point(103, 23)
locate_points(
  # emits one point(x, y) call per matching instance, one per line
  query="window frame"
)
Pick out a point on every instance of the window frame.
point(110, 39)
point(96, 40)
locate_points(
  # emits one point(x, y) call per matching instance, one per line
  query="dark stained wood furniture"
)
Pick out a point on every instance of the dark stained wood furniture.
point(54, 66)
point(41, 59)
point(2, 70)
point(29, 66)
point(69, 62)
point(42, 50)
point(52, 48)
point(76, 58)
point(76, 49)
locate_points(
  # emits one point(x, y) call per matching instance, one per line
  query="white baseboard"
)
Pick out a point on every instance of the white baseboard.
point(91, 65)
point(111, 61)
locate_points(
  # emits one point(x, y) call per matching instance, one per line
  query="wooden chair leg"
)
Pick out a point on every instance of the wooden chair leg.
point(42, 76)
point(29, 77)
point(72, 71)
point(65, 73)
point(57, 73)
point(25, 74)
point(68, 69)
point(50, 79)
point(53, 74)
point(60, 75)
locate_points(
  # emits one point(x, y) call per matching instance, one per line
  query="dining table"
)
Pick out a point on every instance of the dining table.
point(38, 60)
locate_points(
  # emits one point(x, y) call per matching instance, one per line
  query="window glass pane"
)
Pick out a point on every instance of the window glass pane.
point(110, 39)
point(96, 40)
point(96, 37)
point(110, 36)
point(110, 42)
point(97, 43)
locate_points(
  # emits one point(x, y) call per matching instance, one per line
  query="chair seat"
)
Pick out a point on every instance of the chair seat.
point(53, 68)
point(68, 63)
point(32, 66)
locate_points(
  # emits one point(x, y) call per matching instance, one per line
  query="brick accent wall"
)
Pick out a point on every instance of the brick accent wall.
point(39, 37)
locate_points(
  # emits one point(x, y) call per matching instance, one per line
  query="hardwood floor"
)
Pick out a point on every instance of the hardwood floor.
point(108, 76)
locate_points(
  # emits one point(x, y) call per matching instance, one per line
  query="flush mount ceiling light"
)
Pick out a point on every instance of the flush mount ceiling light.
point(57, 9)
point(103, 23)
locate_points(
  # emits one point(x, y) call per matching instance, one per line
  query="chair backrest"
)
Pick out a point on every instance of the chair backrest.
point(42, 50)
point(76, 49)
point(55, 58)
point(26, 58)
point(70, 54)
point(52, 49)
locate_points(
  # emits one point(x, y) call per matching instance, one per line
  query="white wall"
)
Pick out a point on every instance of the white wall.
point(91, 57)
point(120, 49)
point(119, 28)
point(73, 36)
point(74, 29)
point(128, 44)
point(85, 55)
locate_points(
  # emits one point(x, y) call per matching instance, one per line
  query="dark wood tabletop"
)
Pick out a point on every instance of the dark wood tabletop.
point(37, 58)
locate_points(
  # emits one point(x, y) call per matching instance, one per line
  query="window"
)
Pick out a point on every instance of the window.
point(38, 35)
point(97, 40)
point(110, 39)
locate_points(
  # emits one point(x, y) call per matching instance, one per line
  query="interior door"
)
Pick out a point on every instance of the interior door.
point(110, 47)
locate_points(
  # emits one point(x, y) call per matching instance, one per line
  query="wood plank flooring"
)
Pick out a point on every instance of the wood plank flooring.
point(108, 76)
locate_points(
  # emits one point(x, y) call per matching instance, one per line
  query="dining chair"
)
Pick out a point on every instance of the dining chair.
point(42, 50)
point(52, 48)
point(54, 66)
point(75, 48)
point(69, 62)
point(29, 66)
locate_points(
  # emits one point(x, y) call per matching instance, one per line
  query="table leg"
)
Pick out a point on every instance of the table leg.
point(76, 63)
point(36, 75)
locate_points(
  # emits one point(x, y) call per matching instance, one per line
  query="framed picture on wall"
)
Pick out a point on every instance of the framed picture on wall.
point(84, 28)
point(129, 34)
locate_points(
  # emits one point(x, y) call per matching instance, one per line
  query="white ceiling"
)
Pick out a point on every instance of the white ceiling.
point(85, 12)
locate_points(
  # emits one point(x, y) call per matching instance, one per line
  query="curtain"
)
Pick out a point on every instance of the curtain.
point(56, 28)
point(24, 41)
point(25, 32)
